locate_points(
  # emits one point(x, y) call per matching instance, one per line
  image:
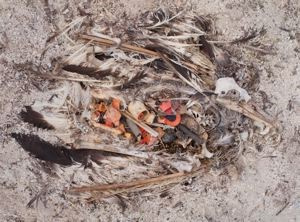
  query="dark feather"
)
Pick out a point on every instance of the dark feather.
point(159, 16)
point(155, 46)
point(83, 155)
point(204, 23)
point(35, 118)
point(186, 73)
point(169, 63)
point(206, 47)
point(189, 133)
point(158, 65)
point(88, 71)
point(102, 57)
point(183, 73)
point(248, 35)
point(44, 150)
point(134, 80)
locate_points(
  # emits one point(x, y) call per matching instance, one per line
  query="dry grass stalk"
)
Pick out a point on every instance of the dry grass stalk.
point(246, 110)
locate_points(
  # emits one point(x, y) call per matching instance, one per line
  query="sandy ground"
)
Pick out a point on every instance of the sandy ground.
point(257, 189)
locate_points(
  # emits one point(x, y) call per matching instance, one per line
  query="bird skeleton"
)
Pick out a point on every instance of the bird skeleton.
point(166, 59)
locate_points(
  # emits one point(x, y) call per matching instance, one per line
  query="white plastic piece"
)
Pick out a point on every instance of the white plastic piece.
point(150, 118)
point(223, 85)
point(138, 110)
point(205, 152)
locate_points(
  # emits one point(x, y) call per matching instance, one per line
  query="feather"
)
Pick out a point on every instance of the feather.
point(249, 35)
point(157, 64)
point(206, 47)
point(43, 150)
point(162, 17)
point(46, 151)
point(89, 71)
point(35, 118)
point(190, 134)
point(204, 23)
point(102, 57)
point(224, 140)
point(132, 81)
point(183, 73)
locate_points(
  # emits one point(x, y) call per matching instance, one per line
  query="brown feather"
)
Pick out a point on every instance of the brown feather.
point(206, 47)
point(44, 150)
point(35, 118)
point(134, 80)
point(89, 71)
point(249, 35)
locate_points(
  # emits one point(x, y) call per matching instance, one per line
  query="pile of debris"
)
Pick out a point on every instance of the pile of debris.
point(147, 109)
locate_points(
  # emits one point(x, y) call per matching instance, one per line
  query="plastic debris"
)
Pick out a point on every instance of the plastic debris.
point(225, 85)
point(138, 110)
point(112, 116)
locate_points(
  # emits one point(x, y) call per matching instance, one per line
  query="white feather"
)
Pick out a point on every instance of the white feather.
point(224, 140)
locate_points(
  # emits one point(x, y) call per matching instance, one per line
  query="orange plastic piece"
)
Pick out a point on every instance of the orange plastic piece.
point(166, 107)
point(173, 123)
point(112, 115)
point(116, 103)
point(147, 138)
point(101, 107)
point(108, 122)
point(122, 128)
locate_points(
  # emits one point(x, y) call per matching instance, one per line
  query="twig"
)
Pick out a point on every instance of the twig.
point(283, 208)
point(271, 156)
